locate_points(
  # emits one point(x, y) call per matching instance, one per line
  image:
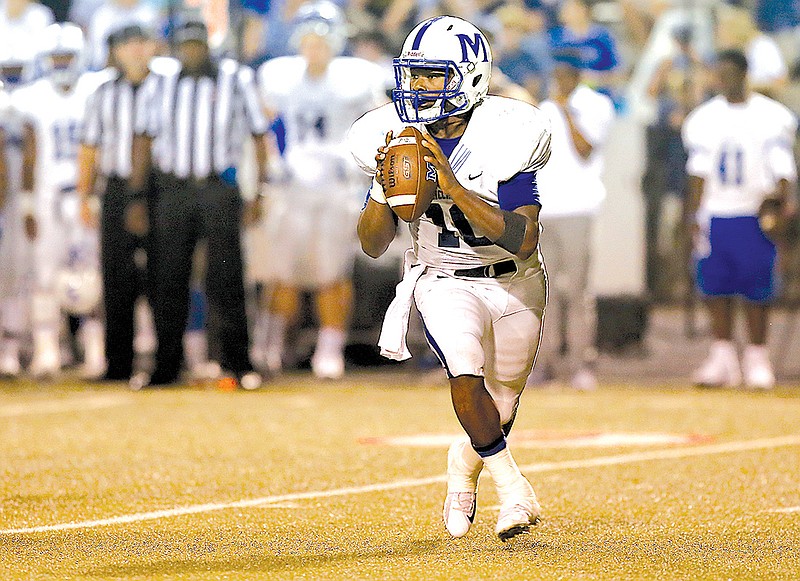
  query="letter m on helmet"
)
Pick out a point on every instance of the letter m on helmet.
point(476, 45)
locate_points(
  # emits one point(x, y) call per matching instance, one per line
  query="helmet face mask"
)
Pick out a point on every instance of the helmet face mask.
point(456, 49)
point(61, 56)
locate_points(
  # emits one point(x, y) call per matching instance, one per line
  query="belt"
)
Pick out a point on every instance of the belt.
point(489, 271)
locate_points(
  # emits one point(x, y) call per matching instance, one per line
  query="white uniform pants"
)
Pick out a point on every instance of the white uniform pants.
point(487, 327)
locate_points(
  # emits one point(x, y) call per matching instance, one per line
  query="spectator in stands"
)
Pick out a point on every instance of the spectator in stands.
point(23, 21)
point(571, 193)
point(736, 29)
point(111, 14)
point(595, 44)
point(522, 51)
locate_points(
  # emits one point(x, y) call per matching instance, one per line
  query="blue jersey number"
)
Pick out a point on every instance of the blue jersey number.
point(448, 238)
point(731, 166)
point(65, 140)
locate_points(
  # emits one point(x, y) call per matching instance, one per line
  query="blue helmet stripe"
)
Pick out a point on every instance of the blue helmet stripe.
point(421, 31)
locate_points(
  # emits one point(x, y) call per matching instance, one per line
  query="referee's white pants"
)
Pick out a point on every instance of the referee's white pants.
point(486, 327)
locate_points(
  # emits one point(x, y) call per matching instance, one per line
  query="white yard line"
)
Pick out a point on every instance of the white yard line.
point(32, 408)
point(785, 510)
point(667, 454)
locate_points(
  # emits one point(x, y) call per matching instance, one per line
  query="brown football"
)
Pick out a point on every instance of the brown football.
point(409, 182)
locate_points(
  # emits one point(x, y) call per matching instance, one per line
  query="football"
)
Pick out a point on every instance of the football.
point(409, 182)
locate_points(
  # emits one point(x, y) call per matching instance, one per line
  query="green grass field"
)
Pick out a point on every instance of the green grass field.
point(302, 480)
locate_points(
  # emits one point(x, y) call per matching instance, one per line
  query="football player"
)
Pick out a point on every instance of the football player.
point(313, 209)
point(53, 109)
point(16, 63)
point(740, 146)
point(475, 271)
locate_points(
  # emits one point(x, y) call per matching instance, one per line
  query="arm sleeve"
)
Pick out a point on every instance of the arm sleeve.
point(91, 124)
point(780, 151)
point(594, 122)
point(699, 156)
point(541, 151)
point(254, 116)
point(520, 190)
point(147, 120)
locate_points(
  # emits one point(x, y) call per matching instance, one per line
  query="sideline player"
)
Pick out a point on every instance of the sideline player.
point(740, 147)
point(313, 210)
point(477, 275)
point(53, 108)
point(16, 63)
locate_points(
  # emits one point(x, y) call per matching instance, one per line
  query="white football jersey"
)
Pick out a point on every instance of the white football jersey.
point(741, 150)
point(56, 117)
point(317, 114)
point(504, 137)
point(12, 125)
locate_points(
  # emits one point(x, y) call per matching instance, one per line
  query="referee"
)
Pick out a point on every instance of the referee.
point(191, 126)
point(106, 149)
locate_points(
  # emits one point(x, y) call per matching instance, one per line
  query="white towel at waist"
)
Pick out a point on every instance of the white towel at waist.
point(395, 323)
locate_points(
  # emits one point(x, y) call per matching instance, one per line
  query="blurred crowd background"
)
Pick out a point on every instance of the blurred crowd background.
point(653, 58)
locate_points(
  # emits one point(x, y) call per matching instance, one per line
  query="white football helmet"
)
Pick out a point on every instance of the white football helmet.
point(62, 40)
point(323, 18)
point(15, 65)
point(79, 285)
point(79, 290)
point(456, 48)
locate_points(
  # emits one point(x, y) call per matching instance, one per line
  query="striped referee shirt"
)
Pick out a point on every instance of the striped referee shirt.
point(109, 124)
point(199, 122)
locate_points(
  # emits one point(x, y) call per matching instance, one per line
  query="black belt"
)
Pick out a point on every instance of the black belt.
point(489, 271)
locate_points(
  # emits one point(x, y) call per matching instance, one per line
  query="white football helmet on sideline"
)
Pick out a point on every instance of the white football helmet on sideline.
point(456, 48)
point(15, 65)
point(323, 18)
point(79, 285)
point(61, 53)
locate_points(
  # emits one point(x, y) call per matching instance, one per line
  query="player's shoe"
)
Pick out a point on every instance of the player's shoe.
point(9, 361)
point(758, 373)
point(517, 515)
point(462, 485)
point(584, 380)
point(45, 364)
point(251, 381)
point(459, 512)
point(721, 368)
point(327, 365)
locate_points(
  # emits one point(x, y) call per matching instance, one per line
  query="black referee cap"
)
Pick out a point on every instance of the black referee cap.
point(192, 29)
point(128, 32)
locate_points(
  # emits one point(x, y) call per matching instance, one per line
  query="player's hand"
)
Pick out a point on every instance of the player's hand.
point(31, 227)
point(252, 212)
point(380, 157)
point(89, 212)
point(447, 179)
point(136, 218)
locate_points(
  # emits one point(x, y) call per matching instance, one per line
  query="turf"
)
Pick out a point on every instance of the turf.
point(77, 453)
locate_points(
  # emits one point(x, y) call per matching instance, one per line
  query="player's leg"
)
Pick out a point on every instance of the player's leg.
point(717, 282)
point(334, 303)
point(45, 309)
point(511, 349)
point(757, 269)
point(454, 320)
point(283, 309)
point(334, 251)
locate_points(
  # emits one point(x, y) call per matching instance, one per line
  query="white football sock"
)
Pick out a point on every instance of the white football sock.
point(506, 475)
point(330, 341)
